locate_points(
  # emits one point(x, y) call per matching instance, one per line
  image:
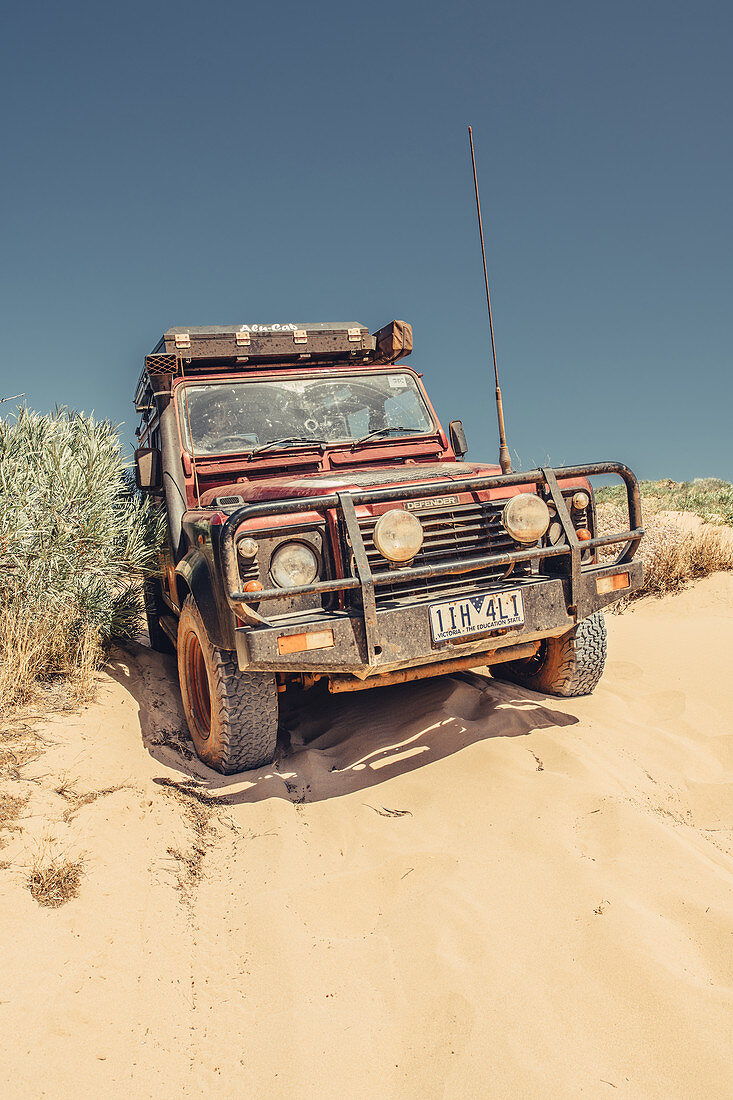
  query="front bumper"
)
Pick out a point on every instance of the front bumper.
point(369, 641)
point(405, 640)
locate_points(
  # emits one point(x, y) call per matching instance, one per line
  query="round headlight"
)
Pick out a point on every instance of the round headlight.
point(398, 535)
point(292, 564)
point(581, 500)
point(526, 517)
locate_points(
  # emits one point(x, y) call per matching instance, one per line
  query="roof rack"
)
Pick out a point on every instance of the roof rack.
point(196, 348)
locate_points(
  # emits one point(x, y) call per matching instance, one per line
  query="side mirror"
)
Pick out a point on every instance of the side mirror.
point(148, 470)
point(458, 438)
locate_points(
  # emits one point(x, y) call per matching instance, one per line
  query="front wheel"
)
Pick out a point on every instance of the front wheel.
point(566, 666)
point(232, 715)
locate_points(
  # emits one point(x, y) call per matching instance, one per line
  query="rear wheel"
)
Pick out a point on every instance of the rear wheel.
point(232, 715)
point(566, 666)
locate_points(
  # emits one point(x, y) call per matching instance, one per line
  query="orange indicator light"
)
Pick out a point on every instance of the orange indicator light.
point(296, 643)
point(253, 586)
point(612, 584)
point(583, 534)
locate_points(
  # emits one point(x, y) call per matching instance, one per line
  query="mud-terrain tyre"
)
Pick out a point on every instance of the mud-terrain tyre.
point(232, 715)
point(154, 608)
point(569, 665)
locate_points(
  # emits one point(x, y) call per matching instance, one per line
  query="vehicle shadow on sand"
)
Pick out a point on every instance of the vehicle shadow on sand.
point(335, 745)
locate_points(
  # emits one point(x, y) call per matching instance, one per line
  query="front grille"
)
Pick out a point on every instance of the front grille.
point(249, 570)
point(460, 531)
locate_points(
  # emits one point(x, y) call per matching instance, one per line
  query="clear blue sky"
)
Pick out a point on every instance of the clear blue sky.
point(177, 163)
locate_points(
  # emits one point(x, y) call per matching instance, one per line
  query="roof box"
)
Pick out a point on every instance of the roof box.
point(287, 342)
point(198, 348)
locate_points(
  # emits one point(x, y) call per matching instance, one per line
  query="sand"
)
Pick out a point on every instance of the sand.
point(452, 888)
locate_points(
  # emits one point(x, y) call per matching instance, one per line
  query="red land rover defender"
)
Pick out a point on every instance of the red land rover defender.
point(322, 525)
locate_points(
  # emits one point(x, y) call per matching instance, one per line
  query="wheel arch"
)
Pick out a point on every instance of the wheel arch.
point(194, 578)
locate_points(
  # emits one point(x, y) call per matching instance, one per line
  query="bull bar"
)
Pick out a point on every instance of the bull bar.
point(346, 502)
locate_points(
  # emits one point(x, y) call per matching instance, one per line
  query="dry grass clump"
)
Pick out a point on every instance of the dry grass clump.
point(611, 518)
point(35, 648)
point(671, 555)
point(55, 880)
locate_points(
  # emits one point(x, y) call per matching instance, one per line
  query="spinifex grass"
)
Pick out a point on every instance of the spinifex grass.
point(75, 541)
point(672, 556)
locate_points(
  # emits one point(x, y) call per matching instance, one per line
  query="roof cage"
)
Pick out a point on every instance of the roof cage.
point(197, 348)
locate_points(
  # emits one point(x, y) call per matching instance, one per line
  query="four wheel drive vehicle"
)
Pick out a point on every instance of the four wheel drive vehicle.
point(322, 526)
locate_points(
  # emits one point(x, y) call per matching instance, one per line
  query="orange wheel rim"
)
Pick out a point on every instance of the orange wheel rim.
point(197, 681)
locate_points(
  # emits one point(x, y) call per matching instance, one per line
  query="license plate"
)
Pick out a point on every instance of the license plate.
point(476, 614)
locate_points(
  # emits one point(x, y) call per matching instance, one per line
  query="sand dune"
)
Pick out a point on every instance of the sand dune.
point(452, 888)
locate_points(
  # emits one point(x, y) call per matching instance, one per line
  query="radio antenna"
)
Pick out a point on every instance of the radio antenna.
point(504, 458)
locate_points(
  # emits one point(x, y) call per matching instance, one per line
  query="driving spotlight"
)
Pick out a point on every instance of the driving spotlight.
point(398, 535)
point(526, 517)
point(581, 500)
point(293, 564)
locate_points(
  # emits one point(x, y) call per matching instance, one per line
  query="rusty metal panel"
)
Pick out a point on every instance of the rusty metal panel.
point(405, 639)
point(338, 683)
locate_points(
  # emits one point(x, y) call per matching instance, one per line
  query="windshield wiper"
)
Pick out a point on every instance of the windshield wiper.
point(384, 431)
point(287, 440)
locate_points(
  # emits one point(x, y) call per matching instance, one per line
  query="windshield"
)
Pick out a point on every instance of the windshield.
point(228, 417)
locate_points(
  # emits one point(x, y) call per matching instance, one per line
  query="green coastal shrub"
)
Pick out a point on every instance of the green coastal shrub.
point(76, 540)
